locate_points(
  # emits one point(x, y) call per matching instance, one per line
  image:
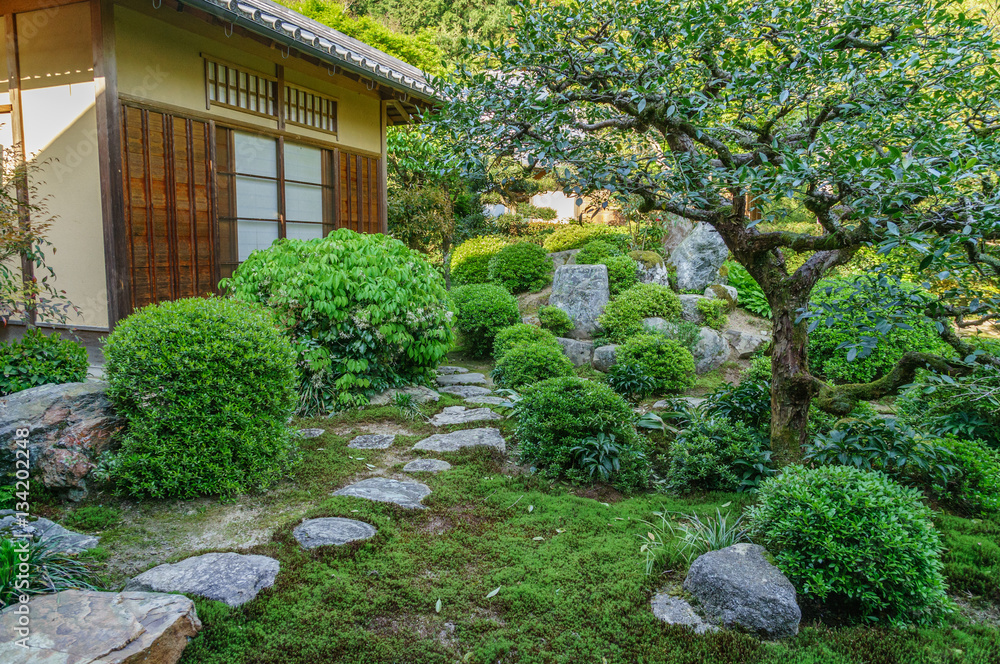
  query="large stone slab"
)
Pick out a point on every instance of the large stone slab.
point(578, 352)
point(487, 401)
point(91, 627)
point(745, 344)
point(446, 370)
point(384, 490)
point(738, 588)
point(426, 466)
point(462, 379)
point(605, 357)
point(582, 292)
point(466, 391)
point(676, 611)
point(419, 393)
point(373, 441)
point(331, 531)
point(560, 258)
point(710, 351)
point(232, 578)
point(698, 258)
point(461, 415)
point(456, 440)
point(67, 540)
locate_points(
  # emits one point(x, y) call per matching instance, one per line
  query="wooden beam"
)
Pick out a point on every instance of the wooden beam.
point(383, 198)
point(19, 6)
point(109, 147)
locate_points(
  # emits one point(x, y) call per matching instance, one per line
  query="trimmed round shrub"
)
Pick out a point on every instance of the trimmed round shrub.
point(481, 311)
point(596, 251)
point(527, 364)
point(706, 453)
point(470, 261)
point(519, 335)
point(364, 313)
point(622, 273)
point(39, 359)
point(207, 387)
point(521, 267)
point(560, 414)
point(575, 236)
point(623, 316)
point(853, 538)
point(666, 360)
point(555, 320)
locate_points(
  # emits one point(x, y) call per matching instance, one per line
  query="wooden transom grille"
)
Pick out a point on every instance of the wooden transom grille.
point(310, 109)
point(245, 90)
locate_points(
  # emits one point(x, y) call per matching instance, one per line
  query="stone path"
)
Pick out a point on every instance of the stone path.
point(462, 379)
point(449, 371)
point(426, 466)
point(375, 441)
point(451, 442)
point(466, 391)
point(232, 578)
point(383, 490)
point(332, 531)
point(419, 393)
point(462, 415)
point(68, 540)
point(488, 401)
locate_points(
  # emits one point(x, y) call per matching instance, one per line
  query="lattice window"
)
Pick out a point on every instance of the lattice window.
point(239, 88)
point(310, 109)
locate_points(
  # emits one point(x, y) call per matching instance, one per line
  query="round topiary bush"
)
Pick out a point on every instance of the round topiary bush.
point(623, 316)
point(853, 538)
point(207, 387)
point(575, 236)
point(364, 313)
point(666, 360)
point(481, 311)
point(560, 414)
point(530, 363)
point(521, 267)
point(596, 251)
point(39, 359)
point(519, 335)
point(555, 320)
point(470, 261)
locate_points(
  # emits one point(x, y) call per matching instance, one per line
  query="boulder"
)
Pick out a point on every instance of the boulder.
point(578, 352)
point(723, 292)
point(87, 626)
point(332, 531)
point(698, 258)
point(419, 393)
point(739, 589)
point(560, 258)
point(466, 391)
point(426, 466)
point(656, 274)
point(67, 540)
point(582, 292)
point(461, 379)
point(604, 357)
point(452, 442)
point(462, 415)
point(676, 233)
point(689, 308)
point(710, 351)
point(745, 344)
point(232, 578)
point(373, 441)
point(71, 425)
point(676, 611)
point(384, 490)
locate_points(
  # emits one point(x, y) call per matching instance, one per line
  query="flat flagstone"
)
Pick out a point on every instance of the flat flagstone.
point(462, 379)
point(232, 578)
point(332, 531)
point(426, 466)
point(64, 540)
point(374, 441)
point(466, 391)
point(456, 440)
point(419, 393)
point(487, 401)
point(383, 490)
point(448, 371)
point(311, 433)
point(462, 415)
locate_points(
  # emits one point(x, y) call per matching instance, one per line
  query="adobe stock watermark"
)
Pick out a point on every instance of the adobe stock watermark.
point(22, 507)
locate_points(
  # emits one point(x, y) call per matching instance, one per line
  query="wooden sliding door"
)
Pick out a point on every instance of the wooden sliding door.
point(358, 190)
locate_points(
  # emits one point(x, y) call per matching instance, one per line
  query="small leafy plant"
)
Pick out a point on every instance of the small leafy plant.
point(555, 320)
point(39, 359)
point(714, 312)
point(407, 406)
point(628, 380)
point(692, 534)
point(598, 454)
point(49, 570)
point(751, 295)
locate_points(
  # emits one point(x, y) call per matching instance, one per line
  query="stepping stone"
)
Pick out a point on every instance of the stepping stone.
point(462, 379)
point(232, 578)
point(419, 393)
point(426, 466)
point(466, 391)
point(449, 371)
point(374, 441)
point(676, 611)
point(84, 626)
point(693, 402)
point(68, 541)
point(383, 490)
point(463, 415)
point(489, 401)
point(333, 531)
point(452, 442)
point(311, 433)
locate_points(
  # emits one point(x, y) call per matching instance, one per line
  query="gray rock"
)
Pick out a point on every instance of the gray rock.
point(451, 370)
point(426, 466)
point(311, 433)
point(462, 415)
point(332, 531)
point(71, 426)
point(462, 379)
point(560, 258)
point(689, 308)
point(373, 441)
point(710, 351)
point(92, 627)
point(693, 402)
point(384, 490)
point(67, 540)
point(582, 292)
point(578, 352)
point(678, 230)
point(451, 442)
point(698, 258)
point(738, 588)
point(605, 356)
point(466, 391)
point(745, 344)
point(419, 393)
point(734, 294)
point(676, 611)
point(660, 325)
point(232, 578)
point(487, 401)
point(657, 274)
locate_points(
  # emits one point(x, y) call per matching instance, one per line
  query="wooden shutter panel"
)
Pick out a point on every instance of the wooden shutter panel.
point(358, 191)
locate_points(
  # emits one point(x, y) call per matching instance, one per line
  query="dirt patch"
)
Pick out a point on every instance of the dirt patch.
point(979, 611)
point(744, 321)
point(421, 626)
point(600, 493)
point(437, 526)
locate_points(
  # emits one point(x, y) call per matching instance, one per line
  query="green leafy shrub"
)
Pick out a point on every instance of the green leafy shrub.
point(207, 387)
point(622, 273)
point(976, 485)
point(623, 316)
point(49, 570)
point(749, 402)
point(665, 360)
point(598, 454)
point(704, 455)
point(963, 406)
point(521, 334)
point(530, 363)
point(576, 236)
point(714, 312)
point(719, 292)
point(853, 537)
point(481, 311)
point(91, 518)
point(693, 535)
point(630, 381)
point(470, 261)
point(685, 332)
point(555, 320)
point(533, 212)
point(750, 294)
point(521, 267)
point(596, 251)
point(557, 415)
point(758, 369)
point(37, 359)
point(364, 313)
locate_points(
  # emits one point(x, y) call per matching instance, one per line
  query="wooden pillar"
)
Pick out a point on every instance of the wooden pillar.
point(383, 197)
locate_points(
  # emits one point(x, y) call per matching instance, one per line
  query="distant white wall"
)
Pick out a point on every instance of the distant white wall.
point(565, 206)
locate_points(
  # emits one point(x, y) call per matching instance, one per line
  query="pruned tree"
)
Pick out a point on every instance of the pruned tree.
point(880, 118)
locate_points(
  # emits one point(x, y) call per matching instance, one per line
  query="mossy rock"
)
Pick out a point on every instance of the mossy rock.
point(722, 294)
point(647, 259)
